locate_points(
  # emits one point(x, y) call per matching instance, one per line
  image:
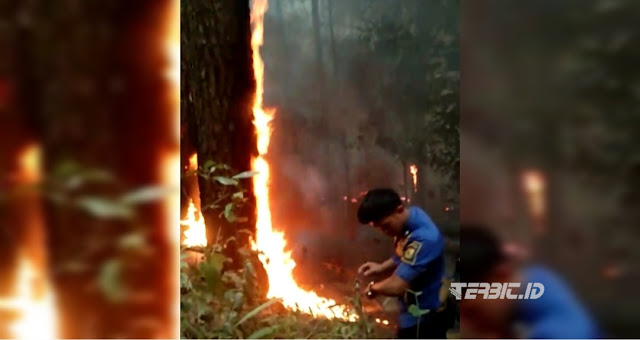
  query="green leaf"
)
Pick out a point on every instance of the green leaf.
point(237, 196)
point(261, 333)
point(145, 195)
point(255, 311)
point(211, 274)
point(245, 174)
point(66, 168)
point(226, 180)
point(104, 208)
point(135, 240)
point(208, 165)
point(228, 213)
point(110, 280)
point(417, 312)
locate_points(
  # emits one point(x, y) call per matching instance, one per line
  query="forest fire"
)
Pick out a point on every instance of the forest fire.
point(195, 235)
point(276, 260)
point(35, 303)
point(33, 300)
point(414, 176)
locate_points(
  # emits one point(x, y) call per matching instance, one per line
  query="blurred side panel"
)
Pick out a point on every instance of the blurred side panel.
point(550, 144)
point(89, 87)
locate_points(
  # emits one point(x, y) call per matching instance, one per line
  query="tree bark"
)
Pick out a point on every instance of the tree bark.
point(217, 70)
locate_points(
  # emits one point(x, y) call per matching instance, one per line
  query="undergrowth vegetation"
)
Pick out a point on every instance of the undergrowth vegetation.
point(225, 304)
point(220, 299)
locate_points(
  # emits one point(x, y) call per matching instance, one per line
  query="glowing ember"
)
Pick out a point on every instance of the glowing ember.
point(276, 260)
point(384, 322)
point(196, 233)
point(534, 185)
point(414, 176)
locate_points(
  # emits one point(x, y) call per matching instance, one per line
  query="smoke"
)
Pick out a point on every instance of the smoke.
point(325, 142)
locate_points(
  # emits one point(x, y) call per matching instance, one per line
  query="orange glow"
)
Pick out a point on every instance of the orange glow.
point(35, 302)
point(33, 299)
point(193, 162)
point(196, 233)
point(534, 185)
point(384, 322)
point(414, 176)
point(276, 260)
point(171, 161)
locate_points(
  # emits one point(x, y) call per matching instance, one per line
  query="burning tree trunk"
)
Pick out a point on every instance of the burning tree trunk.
point(101, 86)
point(217, 94)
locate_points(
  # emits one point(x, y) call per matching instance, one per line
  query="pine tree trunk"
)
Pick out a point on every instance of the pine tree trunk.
point(217, 96)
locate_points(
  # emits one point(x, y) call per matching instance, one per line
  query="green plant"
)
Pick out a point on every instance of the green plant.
point(223, 304)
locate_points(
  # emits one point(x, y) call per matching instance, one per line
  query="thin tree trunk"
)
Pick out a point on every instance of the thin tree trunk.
point(334, 52)
point(322, 90)
point(285, 44)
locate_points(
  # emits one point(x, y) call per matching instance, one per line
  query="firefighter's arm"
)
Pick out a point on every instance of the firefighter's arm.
point(391, 286)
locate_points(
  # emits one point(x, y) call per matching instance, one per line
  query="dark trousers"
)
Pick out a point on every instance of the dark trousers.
point(426, 329)
point(432, 326)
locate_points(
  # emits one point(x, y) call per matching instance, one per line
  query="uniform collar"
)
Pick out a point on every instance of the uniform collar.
point(410, 226)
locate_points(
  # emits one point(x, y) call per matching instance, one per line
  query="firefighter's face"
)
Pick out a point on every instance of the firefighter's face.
point(393, 224)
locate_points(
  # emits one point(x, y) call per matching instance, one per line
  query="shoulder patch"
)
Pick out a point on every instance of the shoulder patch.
point(410, 253)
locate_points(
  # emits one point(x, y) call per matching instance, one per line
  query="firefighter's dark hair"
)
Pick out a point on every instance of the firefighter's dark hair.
point(378, 204)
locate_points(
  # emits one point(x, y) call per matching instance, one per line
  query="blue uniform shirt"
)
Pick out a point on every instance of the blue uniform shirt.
point(420, 258)
point(556, 314)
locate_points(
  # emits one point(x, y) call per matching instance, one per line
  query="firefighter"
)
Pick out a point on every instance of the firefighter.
point(418, 263)
point(556, 314)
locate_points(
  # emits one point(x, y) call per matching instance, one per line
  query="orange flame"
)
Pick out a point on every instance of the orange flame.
point(534, 185)
point(414, 176)
point(33, 299)
point(193, 162)
point(196, 232)
point(276, 260)
point(195, 235)
point(35, 302)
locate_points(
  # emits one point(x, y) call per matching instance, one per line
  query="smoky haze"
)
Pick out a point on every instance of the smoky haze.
point(347, 79)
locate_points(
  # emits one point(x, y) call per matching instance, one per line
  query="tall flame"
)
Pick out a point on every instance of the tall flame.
point(414, 176)
point(276, 260)
point(171, 166)
point(33, 299)
point(196, 233)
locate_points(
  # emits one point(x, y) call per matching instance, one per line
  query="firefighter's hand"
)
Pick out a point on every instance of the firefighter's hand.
point(369, 292)
point(370, 268)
